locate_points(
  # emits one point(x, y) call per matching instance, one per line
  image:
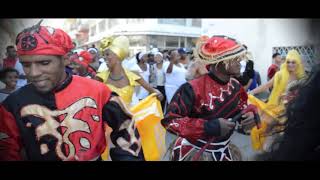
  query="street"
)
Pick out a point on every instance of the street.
point(241, 141)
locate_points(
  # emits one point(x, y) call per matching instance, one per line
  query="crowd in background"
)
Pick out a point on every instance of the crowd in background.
point(165, 70)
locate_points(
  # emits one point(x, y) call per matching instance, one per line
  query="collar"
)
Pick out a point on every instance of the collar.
point(215, 78)
point(64, 83)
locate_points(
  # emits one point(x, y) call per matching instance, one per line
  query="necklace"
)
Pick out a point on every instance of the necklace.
point(115, 78)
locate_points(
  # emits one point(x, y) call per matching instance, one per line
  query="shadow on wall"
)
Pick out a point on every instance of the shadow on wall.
point(315, 30)
point(9, 28)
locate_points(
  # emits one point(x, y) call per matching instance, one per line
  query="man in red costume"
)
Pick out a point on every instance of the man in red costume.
point(80, 64)
point(59, 116)
point(201, 109)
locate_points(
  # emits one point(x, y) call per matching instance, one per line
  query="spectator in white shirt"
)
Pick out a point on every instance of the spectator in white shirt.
point(175, 74)
point(142, 59)
point(160, 76)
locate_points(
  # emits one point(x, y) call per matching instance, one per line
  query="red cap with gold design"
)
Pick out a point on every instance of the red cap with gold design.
point(41, 40)
point(217, 49)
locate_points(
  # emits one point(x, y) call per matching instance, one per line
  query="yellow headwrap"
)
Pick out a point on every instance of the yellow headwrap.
point(118, 45)
point(281, 78)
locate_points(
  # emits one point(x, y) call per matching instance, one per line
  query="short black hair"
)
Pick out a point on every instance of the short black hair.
point(245, 46)
point(5, 71)
point(170, 51)
point(137, 57)
point(9, 47)
point(275, 55)
point(164, 51)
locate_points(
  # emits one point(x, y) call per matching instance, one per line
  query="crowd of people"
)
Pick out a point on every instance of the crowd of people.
point(206, 93)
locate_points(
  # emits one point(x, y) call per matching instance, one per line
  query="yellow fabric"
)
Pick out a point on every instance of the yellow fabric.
point(267, 112)
point(105, 154)
point(118, 45)
point(125, 92)
point(257, 136)
point(274, 108)
point(282, 77)
point(269, 109)
point(147, 115)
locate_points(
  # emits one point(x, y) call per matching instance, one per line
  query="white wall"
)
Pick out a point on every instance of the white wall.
point(151, 26)
point(260, 35)
point(9, 28)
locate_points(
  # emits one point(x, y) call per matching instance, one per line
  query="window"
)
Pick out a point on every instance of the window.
point(140, 20)
point(196, 22)
point(181, 22)
point(112, 23)
point(102, 26)
point(153, 41)
point(191, 42)
point(182, 42)
point(172, 42)
point(137, 41)
point(93, 30)
point(134, 21)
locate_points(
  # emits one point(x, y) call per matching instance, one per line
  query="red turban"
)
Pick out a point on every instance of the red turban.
point(84, 58)
point(217, 49)
point(41, 40)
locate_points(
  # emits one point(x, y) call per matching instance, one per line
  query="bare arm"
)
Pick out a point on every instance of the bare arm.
point(246, 87)
point(264, 87)
point(169, 70)
point(150, 89)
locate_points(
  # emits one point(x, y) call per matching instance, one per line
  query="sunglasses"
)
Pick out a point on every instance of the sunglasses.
point(291, 62)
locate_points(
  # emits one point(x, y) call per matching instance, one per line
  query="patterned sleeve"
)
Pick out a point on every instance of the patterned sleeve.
point(124, 135)
point(177, 119)
point(243, 99)
point(10, 143)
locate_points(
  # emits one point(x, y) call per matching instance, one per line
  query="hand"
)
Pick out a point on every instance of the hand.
point(218, 127)
point(225, 126)
point(174, 60)
point(248, 121)
point(282, 96)
point(159, 95)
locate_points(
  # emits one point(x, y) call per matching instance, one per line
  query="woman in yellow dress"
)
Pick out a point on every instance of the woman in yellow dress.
point(291, 71)
point(117, 78)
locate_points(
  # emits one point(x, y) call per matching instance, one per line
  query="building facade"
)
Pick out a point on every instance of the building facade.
point(144, 34)
point(264, 37)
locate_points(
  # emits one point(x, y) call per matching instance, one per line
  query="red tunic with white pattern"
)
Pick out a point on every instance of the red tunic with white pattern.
point(67, 123)
point(198, 101)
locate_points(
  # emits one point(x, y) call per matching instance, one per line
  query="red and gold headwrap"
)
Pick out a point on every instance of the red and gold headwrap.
point(41, 40)
point(218, 49)
point(84, 58)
